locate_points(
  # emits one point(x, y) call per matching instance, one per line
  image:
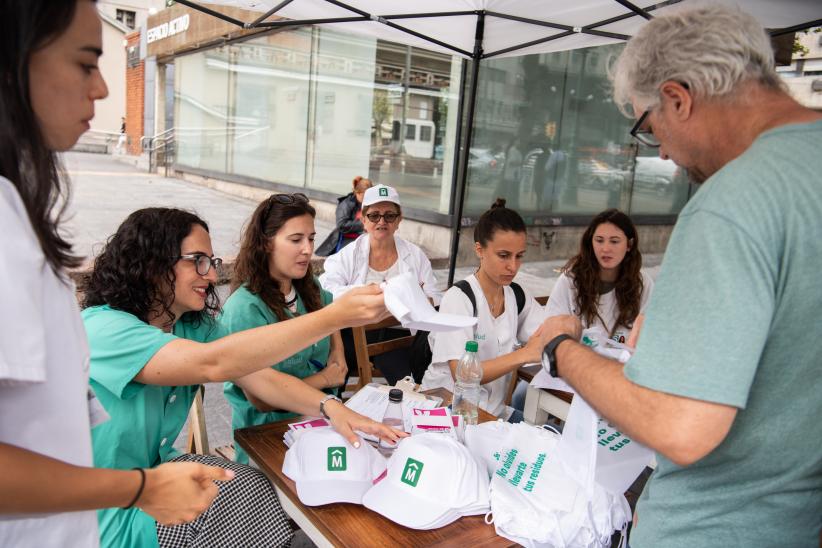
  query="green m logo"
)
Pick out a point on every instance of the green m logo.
point(412, 471)
point(336, 459)
point(383, 192)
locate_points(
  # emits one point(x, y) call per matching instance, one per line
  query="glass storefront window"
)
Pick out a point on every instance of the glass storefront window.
point(549, 139)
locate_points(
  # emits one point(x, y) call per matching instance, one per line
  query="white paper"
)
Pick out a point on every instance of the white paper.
point(372, 402)
point(405, 299)
point(544, 380)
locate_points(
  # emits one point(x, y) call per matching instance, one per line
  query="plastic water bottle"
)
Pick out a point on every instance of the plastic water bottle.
point(467, 385)
point(393, 415)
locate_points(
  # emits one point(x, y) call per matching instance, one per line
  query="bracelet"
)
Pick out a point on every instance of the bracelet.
point(324, 401)
point(140, 490)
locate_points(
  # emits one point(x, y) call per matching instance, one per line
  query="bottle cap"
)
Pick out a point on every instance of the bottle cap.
point(472, 346)
point(395, 395)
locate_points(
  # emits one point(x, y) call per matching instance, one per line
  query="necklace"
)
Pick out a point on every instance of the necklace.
point(496, 306)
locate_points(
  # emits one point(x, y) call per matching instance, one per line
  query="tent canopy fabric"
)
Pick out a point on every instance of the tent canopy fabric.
point(510, 27)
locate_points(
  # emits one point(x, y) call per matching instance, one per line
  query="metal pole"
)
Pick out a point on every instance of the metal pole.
point(462, 176)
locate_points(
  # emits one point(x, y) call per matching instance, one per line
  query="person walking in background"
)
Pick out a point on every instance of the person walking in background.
point(603, 285)
point(724, 383)
point(273, 282)
point(121, 140)
point(349, 224)
point(49, 82)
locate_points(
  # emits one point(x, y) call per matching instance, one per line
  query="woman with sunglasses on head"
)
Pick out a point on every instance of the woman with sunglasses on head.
point(507, 314)
point(150, 318)
point(377, 256)
point(49, 82)
point(603, 284)
point(349, 218)
point(273, 282)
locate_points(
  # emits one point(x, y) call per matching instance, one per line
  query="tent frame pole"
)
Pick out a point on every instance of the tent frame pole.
point(462, 175)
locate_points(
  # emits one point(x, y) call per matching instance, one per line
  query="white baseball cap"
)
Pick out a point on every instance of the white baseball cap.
point(326, 468)
point(380, 193)
point(431, 481)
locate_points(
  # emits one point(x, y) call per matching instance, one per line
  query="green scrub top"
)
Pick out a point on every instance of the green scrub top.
point(145, 419)
point(245, 310)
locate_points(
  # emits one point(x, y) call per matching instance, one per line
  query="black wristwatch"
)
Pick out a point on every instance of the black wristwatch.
point(549, 352)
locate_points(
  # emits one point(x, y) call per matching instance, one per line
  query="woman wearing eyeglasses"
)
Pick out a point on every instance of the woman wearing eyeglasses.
point(377, 256)
point(273, 282)
point(150, 317)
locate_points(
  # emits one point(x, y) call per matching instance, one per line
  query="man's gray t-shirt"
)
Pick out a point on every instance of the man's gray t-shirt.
point(736, 319)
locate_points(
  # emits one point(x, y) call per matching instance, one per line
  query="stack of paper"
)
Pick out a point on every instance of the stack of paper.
point(293, 428)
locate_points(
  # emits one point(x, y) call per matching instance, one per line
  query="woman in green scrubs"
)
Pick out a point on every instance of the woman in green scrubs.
point(150, 308)
point(273, 282)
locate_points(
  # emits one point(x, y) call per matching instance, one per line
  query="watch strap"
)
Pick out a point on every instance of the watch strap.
point(325, 400)
point(550, 351)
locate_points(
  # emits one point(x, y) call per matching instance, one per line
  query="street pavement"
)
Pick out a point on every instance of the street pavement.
point(105, 190)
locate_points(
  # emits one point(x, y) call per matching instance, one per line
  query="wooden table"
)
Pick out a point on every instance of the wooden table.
point(350, 524)
point(541, 403)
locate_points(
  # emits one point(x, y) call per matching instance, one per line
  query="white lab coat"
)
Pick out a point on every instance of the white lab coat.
point(348, 268)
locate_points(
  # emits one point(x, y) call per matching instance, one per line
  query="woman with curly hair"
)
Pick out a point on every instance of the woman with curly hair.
point(150, 317)
point(603, 284)
point(273, 282)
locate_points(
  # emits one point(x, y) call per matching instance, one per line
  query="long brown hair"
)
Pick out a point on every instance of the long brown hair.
point(583, 270)
point(251, 267)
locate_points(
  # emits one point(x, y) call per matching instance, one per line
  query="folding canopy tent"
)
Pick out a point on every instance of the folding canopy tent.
point(482, 29)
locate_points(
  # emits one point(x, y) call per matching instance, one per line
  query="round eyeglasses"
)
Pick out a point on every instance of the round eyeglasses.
point(389, 217)
point(202, 262)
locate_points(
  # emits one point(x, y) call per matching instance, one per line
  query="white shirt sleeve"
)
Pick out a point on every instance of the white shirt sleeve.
point(450, 345)
point(562, 298)
point(337, 277)
point(647, 290)
point(532, 316)
point(22, 264)
point(427, 279)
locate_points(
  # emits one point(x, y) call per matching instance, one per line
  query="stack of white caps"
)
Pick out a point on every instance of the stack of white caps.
point(326, 468)
point(432, 480)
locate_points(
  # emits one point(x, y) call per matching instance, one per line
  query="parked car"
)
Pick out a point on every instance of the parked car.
point(483, 167)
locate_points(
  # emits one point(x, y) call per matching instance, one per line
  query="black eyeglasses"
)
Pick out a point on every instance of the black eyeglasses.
point(203, 262)
point(642, 134)
point(389, 217)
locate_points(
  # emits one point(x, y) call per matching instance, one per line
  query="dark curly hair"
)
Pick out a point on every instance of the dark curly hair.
point(251, 266)
point(584, 271)
point(137, 265)
point(497, 218)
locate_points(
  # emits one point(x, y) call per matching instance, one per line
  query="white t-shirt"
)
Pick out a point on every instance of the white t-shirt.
point(44, 361)
point(563, 301)
point(379, 276)
point(495, 337)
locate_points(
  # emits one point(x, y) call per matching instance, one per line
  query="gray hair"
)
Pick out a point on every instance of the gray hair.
point(711, 48)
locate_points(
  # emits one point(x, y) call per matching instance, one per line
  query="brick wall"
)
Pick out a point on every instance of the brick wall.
point(135, 96)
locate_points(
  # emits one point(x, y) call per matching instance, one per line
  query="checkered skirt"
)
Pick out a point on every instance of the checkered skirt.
point(246, 513)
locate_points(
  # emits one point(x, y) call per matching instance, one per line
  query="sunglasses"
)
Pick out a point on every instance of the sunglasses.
point(389, 217)
point(285, 199)
point(202, 262)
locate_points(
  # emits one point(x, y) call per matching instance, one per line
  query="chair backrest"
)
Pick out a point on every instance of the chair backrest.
point(365, 350)
point(197, 434)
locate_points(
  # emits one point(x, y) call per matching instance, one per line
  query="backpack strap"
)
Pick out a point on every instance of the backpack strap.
point(465, 287)
point(520, 295)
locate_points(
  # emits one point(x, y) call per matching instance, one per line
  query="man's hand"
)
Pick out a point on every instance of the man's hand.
point(178, 492)
point(361, 306)
point(346, 422)
point(564, 324)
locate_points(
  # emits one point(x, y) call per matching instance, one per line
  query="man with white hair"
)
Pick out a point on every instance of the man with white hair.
point(725, 382)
